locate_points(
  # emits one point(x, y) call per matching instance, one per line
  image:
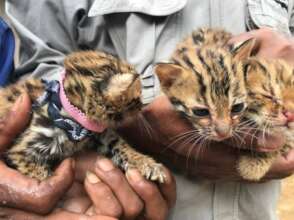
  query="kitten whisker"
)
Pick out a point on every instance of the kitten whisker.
point(187, 132)
point(146, 125)
point(192, 147)
point(183, 136)
point(236, 135)
point(200, 149)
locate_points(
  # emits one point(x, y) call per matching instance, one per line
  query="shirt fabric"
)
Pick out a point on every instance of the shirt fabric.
point(143, 33)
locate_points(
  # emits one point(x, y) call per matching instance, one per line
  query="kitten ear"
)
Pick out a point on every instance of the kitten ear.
point(243, 50)
point(167, 74)
point(134, 89)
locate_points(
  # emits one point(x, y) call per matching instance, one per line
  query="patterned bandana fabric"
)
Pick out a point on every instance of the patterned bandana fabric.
point(74, 130)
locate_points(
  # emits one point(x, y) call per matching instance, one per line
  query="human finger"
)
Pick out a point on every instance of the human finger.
point(15, 121)
point(85, 162)
point(155, 206)
point(102, 197)
point(116, 180)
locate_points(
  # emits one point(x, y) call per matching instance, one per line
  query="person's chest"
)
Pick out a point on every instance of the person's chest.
point(138, 36)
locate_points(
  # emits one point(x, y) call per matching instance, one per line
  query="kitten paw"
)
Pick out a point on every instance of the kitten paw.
point(253, 169)
point(153, 172)
point(150, 170)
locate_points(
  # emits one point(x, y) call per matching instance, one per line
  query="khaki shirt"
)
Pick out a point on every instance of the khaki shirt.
point(143, 33)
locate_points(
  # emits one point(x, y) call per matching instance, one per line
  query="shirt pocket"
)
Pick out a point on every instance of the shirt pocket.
point(268, 13)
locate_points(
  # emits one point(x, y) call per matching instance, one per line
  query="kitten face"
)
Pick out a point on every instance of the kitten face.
point(266, 104)
point(105, 88)
point(206, 84)
point(123, 96)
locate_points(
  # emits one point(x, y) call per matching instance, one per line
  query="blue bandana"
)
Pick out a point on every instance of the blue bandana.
point(74, 130)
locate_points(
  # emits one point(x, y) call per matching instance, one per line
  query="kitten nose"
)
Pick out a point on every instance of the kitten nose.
point(223, 129)
point(289, 115)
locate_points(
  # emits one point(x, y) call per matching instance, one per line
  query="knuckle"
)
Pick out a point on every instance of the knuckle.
point(134, 209)
point(115, 210)
point(150, 191)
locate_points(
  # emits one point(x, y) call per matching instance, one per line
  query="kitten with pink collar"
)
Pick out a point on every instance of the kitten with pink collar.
point(95, 93)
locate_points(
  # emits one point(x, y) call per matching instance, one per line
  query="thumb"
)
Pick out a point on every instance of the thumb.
point(269, 142)
point(29, 194)
point(15, 121)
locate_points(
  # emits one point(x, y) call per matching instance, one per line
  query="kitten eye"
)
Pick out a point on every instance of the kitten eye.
point(201, 112)
point(237, 108)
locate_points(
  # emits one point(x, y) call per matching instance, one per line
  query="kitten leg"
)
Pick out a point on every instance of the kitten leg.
point(126, 157)
point(254, 167)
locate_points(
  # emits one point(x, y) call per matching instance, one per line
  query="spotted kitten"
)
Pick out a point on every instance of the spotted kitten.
point(101, 89)
point(205, 83)
point(270, 85)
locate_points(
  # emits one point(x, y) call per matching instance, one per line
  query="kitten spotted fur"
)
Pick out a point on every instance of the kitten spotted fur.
point(103, 87)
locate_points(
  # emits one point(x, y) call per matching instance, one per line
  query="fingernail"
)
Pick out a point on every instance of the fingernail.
point(92, 178)
point(134, 175)
point(105, 164)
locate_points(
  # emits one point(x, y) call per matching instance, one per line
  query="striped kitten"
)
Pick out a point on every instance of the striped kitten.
point(205, 83)
point(98, 91)
point(270, 85)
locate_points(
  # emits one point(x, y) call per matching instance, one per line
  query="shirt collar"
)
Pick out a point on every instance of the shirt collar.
point(150, 7)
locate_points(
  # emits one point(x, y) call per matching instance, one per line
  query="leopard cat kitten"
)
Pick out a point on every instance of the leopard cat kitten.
point(106, 90)
point(270, 85)
point(205, 83)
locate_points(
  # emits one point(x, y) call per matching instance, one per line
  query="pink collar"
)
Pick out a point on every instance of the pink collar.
point(76, 113)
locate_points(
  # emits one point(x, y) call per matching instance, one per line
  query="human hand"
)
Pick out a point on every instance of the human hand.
point(109, 195)
point(269, 44)
point(129, 196)
point(22, 192)
point(217, 162)
point(75, 207)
